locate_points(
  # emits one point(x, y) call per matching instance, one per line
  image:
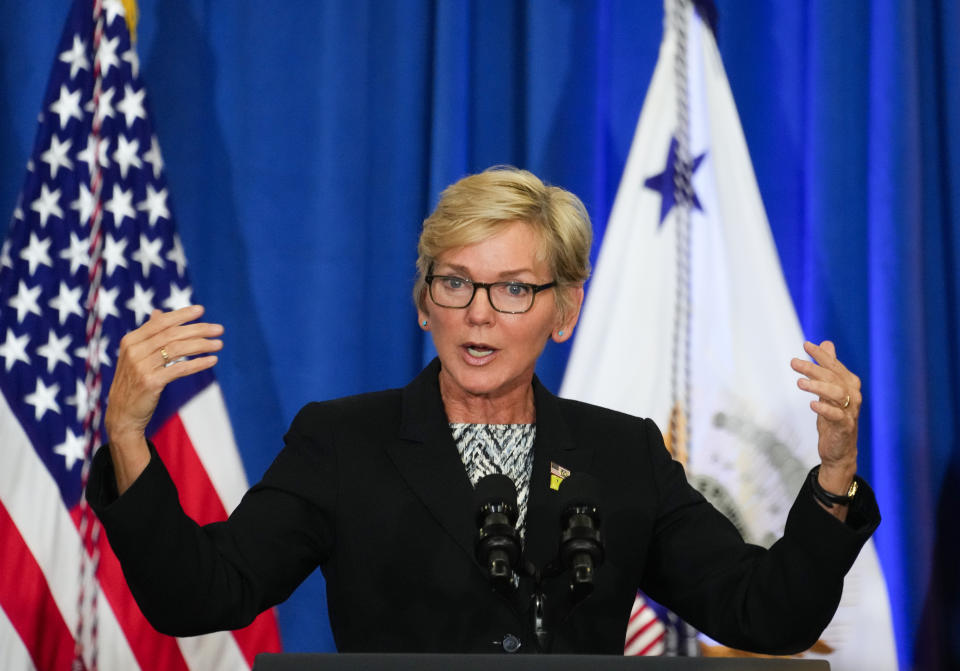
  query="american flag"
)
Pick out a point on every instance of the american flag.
point(91, 251)
point(645, 631)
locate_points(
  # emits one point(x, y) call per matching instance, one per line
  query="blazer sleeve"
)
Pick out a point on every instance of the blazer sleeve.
point(190, 579)
point(774, 601)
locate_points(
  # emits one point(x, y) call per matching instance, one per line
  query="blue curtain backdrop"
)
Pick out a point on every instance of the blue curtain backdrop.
point(305, 142)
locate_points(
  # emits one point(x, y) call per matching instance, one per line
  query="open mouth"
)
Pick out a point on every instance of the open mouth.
point(479, 351)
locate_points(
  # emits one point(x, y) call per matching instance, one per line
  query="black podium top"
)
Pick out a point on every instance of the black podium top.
point(417, 662)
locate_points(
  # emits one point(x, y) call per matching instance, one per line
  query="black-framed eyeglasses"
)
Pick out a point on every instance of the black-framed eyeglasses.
point(449, 291)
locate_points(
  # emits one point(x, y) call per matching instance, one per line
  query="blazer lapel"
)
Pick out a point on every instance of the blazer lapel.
point(429, 462)
point(427, 459)
point(553, 445)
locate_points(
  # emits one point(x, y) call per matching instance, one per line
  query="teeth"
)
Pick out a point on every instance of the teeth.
point(479, 352)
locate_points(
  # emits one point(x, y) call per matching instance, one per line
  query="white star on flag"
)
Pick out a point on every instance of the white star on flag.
point(35, 253)
point(107, 53)
point(132, 105)
point(83, 205)
point(67, 106)
point(104, 106)
point(178, 298)
point(102, 356)
point(113, 8)
point(5, 260)
point(120, 205)
point(86, 155)
point(14, 349)
point(148, 254)
point(78, 253)
point(127, 155)
point(43, 399)
point(25, 301)
point(72, 448)
point(153, 157)
point(80, 399)
point(47, 205)
point(67, 302)
point(56, 156)
point(55, 350)
point(130, 56)
point(176, 255)
point(107, 303)
point(141, 304)
point(154, 204)
point(114, 253)
point(76, 56)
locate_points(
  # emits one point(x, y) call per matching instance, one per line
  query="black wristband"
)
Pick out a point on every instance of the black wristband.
point(825, 497)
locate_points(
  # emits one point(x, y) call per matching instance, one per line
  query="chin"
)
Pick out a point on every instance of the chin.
point(478, 383)
point(482, 380)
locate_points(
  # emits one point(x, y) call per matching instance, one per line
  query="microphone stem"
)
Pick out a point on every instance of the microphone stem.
point(540, 621)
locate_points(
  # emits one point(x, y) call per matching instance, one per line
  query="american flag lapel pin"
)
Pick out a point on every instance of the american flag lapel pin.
point(557, 475)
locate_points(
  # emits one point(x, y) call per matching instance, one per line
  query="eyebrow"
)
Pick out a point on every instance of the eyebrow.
point(506, 273)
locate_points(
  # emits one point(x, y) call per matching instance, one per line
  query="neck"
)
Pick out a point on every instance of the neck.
point(514, 407)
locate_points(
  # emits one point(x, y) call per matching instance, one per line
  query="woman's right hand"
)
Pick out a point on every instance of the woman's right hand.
point(142, 373)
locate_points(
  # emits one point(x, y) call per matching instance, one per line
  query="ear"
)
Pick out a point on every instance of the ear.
point(423, 320)
point(567, 321)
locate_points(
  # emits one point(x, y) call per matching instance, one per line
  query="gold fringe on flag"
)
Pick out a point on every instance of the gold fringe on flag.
point(130, 7)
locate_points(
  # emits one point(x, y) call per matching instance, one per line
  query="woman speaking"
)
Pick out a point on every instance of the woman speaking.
point(378, 489)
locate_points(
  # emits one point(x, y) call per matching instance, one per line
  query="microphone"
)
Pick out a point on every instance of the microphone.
point(581, 544)
point(498, 545)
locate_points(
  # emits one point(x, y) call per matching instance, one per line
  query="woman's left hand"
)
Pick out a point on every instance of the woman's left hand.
point(837, 408)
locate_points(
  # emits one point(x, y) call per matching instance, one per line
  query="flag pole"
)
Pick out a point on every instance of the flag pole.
point(686, 643)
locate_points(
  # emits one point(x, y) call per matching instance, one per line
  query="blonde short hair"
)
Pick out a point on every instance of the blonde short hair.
point(479, 206)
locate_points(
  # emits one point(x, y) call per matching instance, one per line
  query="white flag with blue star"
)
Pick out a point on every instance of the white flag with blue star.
point(700, 328)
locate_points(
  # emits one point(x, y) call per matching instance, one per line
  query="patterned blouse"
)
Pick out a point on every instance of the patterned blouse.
point(498, 448)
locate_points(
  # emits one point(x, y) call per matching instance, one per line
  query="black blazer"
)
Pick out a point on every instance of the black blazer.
point(371, 488)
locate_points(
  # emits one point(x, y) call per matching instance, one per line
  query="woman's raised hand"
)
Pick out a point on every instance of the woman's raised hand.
point(150, 358)
point(838, 410)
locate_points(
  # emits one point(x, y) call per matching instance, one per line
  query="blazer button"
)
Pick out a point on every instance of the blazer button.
point(511, 643)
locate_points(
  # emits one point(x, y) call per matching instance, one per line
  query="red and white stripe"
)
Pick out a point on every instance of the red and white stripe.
point(39, 589)
point(645, 631)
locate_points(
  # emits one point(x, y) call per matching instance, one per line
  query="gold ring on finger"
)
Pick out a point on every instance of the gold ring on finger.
point(166, 357)
point(846, 401)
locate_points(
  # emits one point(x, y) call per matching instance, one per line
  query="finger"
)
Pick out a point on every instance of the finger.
point(825, 354)
point(827, 391)
point(822, 355)
point(167, 337)
point(826, 358)
point(185, 332)
point(828, 411)
point(814, 371)
point(187, 348)
point(163, 320)
point(185, 368)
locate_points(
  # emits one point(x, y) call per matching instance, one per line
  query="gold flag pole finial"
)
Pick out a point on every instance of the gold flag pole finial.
point(130, 8)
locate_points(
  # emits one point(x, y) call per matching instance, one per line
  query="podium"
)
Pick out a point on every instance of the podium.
point(443, 662)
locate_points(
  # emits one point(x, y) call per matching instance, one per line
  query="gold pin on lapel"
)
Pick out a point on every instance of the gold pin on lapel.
point(557, 475)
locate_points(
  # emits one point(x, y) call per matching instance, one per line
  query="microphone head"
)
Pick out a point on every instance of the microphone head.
point(579, 490)
point(496, 490)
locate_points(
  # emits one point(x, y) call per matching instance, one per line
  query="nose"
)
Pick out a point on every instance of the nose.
point(480, 310)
